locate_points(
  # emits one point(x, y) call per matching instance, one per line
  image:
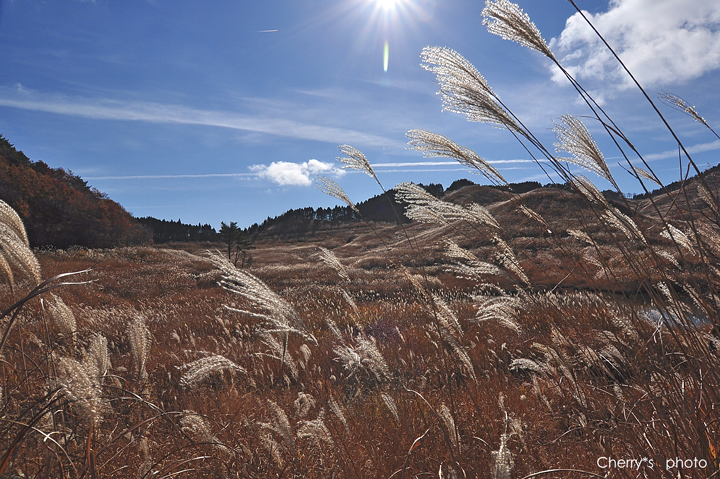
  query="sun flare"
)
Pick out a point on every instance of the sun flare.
point(387, 4)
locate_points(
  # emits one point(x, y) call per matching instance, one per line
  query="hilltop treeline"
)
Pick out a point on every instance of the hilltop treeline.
point(377, 208)
point(59, 209)
point(164, 231)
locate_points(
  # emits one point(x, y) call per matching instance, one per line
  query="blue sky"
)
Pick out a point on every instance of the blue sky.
point(226, 110)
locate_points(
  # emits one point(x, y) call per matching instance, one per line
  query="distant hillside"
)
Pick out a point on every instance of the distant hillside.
point(302, 221)
point(381, 208)
point(164, 231)
point(559, 202)
point(59, 209)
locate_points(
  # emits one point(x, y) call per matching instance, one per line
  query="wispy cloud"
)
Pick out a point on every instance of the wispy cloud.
point(106, 109)
point(441, 163)
point(699, 148)
point(661, 41)
point(157, 177)
point(286, 173)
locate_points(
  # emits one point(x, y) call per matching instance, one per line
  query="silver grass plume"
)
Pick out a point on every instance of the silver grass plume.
point(574, 138)
point(339, 413)
point(277, 314)
point(391, 405)
point(502, 460)
point(98, 354)
point(534, 216)
point(329, 258)
point(279, 352)
point(507, 258)
point(589, 191)
point(669, 256)
point(200, 369)
point(434, 145)
point(304, 404)
point(197, 428)
point(425, 208)
point(351, 302)
point(642, 173)
point(306, 353)
point(619, 220)
point(446, 317)
point(524, 364)
point(362, 354)
point(449, 422)
point(316, 432)
point(6, 271)
point(464, 90)
point(334, 328)
point(451, 332)
point(80, 385)
point(674, 101)
point(508, 21)
point(329, 187)
point(471, 268)
point(16, 252)
point(678, 237)
point(281, 426)
point(581, 235)
point(10, 218)
point(273, 448)
point(355, 160)
point(139, 337)
point(414, 194)
point(498, 308)
point(63, 316)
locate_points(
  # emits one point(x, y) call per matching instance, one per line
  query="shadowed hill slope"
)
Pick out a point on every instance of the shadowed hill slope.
point(59, 209)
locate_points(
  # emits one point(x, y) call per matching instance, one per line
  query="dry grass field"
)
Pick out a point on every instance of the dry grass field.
point(561, 332)
point(375, 357)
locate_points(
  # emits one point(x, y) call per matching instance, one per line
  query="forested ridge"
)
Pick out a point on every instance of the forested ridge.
point(60, 209)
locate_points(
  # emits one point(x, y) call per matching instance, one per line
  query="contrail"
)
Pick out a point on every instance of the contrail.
point(152, 177)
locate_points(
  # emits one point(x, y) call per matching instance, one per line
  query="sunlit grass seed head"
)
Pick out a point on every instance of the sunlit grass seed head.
point(674, 101)
point(97, 354)
point(591, 193)
point(63, 317)
point(316, 432)
point(329, 258)
point(281, 426)
point(354, 159)
point(434, 145)
point(425, 208)
point(16, 253)
point(329, 187)
point(197, 371)
point(276, 313)
point(139, 337)
point(508, 21)
point(10, 218)
point(464, 90)
point(80, 385)
point(574, 138)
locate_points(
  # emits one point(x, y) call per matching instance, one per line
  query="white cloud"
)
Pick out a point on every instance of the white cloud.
point(287, 173)
point(663, 42)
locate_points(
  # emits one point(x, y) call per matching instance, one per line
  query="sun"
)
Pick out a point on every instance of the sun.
point(387, 4)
